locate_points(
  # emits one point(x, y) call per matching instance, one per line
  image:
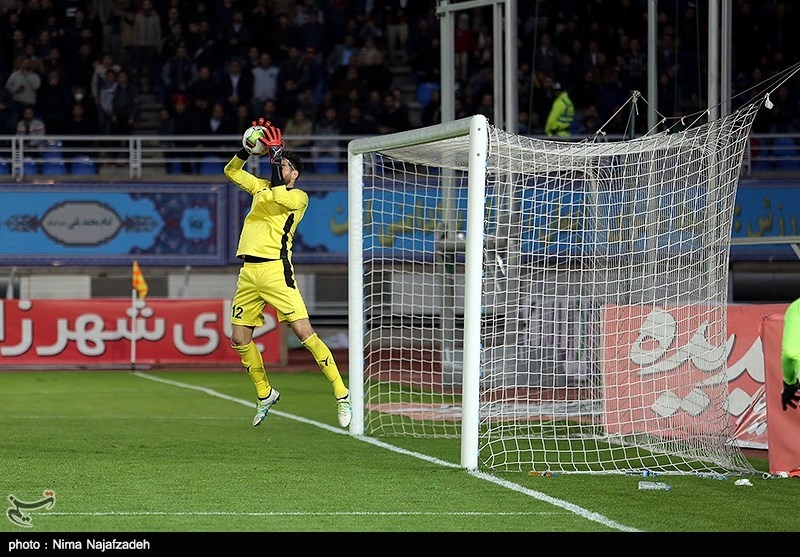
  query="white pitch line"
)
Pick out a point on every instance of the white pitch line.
point(298, 513)
point(565, 505)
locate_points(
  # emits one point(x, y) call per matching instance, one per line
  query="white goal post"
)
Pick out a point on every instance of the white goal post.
point(556, 306)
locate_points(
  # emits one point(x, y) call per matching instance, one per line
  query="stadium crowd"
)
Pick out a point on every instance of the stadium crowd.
point(325, 67)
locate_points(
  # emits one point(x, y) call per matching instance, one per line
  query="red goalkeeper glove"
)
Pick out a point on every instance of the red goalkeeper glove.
point(789, 395)
point(273, 140)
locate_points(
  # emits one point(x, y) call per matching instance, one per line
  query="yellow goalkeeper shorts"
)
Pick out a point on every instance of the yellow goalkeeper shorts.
point(270, 283)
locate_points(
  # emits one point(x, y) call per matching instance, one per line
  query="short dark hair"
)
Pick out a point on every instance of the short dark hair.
point(295, 160)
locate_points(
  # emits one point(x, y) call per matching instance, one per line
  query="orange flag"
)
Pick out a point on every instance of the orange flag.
point(138, 281)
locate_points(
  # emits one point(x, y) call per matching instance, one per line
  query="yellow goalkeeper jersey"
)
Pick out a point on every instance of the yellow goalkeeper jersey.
point(269, 228)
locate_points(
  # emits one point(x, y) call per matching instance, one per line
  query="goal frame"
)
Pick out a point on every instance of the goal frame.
point(477, 128)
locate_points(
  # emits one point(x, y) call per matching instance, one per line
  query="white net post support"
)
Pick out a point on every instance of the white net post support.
point(554, 305)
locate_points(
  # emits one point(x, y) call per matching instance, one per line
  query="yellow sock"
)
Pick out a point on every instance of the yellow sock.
point(322, 354)
point(254, 364)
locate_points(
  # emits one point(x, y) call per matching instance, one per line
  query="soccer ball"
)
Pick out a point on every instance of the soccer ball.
point(251, 143)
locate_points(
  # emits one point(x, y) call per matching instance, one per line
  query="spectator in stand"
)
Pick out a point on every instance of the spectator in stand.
point(423, 52)
point(288, 98)
point(235, 36)
point(16, 48)
point(306, 10)
point(237, 87)
point(432, 112)
point(146, 42)
point(342, 84)
point(372, 105)
point(23, 84)
point(261, 17)
point(396, 31)
point(185, 125)
point(390, 119)
point(296, 126)
point(124, 108)
point(313, 34)
point(54, 63)
point(54, 103)
point(465, 44)
point(326, 131)
point(355, 125)
point(217, 124)
point(265, 82)
point(315, 73)
point(169, 20)
point(178, 73)
point(101, 66)
point(269, 111)
point(562, 114)
point(307, 103)
point(79, 123)
point(251, 61)
point(338, 59)
point(292, 69)
point(284, 38)
point(105, 101)
point(31, 126)
point(166, 128)
point(375, 72)
point(81, 68)
point(204, 92)
point(243, 119)
point(78, 29)
point(170, 43)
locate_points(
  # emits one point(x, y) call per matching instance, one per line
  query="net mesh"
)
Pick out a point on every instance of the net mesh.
point(604, 292)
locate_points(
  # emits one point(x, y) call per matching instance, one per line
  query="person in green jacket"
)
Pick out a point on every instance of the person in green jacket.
point(790, 355)
point(561, 114)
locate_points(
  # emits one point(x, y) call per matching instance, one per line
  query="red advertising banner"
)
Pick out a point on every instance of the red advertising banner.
point(665, 363)
point(746, 373)
point(784, 426)
point(97, 333)
point(663, 370)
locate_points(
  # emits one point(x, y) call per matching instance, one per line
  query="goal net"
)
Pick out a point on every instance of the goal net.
point(556, 306)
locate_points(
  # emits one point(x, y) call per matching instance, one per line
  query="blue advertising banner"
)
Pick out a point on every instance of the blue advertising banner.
point(111, 224)
point(199, 223)
point(765, 209)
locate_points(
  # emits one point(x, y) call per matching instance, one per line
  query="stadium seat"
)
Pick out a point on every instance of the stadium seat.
point(5, 167)
point(424, 92)
point(54, 167)
point(83, 165)
point(29, 167)
point(264, 167)
point(175, 167)
point(53, 150)
point(760, 154)
point(211, 165)
point(326, 166)
point(785, 154)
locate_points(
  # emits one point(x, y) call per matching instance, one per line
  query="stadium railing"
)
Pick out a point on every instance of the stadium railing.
point(159, 157)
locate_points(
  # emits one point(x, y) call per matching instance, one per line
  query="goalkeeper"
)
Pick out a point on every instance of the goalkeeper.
point(790, 355)
point(267, 275)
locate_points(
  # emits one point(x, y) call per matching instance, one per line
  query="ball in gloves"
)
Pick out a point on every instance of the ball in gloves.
point(251, 143)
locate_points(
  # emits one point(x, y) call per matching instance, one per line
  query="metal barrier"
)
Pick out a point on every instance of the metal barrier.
point(159, 157)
